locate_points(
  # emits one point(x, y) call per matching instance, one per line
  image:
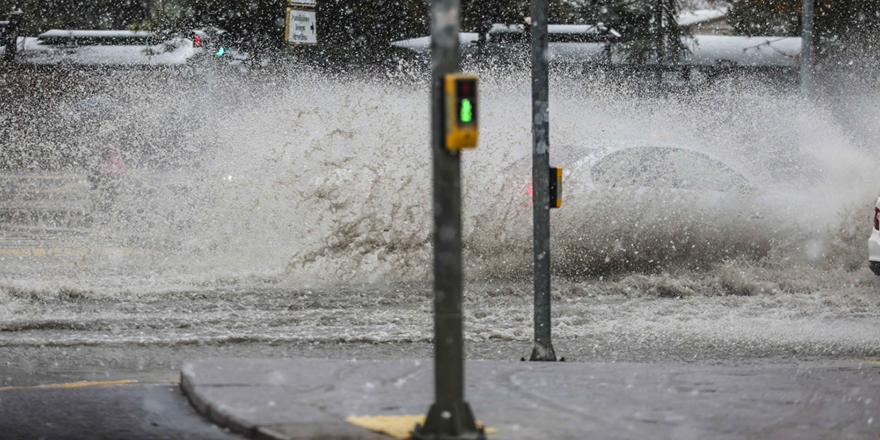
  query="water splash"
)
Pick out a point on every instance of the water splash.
point(317, 181)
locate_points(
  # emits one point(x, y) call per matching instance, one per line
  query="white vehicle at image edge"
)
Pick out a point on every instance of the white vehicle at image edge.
point(874, 242)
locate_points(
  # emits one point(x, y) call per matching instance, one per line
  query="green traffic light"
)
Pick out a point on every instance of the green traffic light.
point(222, 52)
point(467, 110)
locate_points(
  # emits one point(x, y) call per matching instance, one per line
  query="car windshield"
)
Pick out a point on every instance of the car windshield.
point(666, 167)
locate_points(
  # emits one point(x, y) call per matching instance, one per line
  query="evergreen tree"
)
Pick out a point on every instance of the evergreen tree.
point(841, 22)
point(42, 15)
point(649, 28)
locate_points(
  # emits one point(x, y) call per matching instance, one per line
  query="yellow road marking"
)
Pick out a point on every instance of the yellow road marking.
point(71, 252)
point(398, 427)
point(80, 384)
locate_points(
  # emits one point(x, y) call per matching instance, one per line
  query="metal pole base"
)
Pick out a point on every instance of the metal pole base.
point(546, 354)
point(449, 421)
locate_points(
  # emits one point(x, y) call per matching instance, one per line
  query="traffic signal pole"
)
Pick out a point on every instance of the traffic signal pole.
point(9, 36)
point(543, 350)
point(450, 416)
point(806, 70)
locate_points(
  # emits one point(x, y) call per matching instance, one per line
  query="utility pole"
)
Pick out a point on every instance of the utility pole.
point(450, 416)
point(543, 350)
point(660, 30)
point(9, 34)
point(806, 70)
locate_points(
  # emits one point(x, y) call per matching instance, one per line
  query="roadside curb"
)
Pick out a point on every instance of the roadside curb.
point(226, 418)
point(214, 414)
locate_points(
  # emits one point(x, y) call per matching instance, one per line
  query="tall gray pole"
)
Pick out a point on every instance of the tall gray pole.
point(9, 38)
point(807, 84)
point(660, 35)
point(543, 350)
point(450, 415)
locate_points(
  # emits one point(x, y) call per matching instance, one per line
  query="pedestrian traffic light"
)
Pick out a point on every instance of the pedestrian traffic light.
point(555, 187)
point(461, 107)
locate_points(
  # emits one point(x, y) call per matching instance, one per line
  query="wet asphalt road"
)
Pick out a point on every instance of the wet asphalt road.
point(119, 412)
point(149, 404)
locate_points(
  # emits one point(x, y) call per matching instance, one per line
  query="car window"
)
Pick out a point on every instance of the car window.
point(697, 171)
point(665, 167)
point(642, 167)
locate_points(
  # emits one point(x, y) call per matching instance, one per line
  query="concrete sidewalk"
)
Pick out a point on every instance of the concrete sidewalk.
point(311, 398)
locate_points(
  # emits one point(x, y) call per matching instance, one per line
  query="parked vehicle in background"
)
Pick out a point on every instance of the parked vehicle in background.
point(874, 242)
point(121, 48)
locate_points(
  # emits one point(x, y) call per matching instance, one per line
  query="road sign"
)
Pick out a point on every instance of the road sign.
point(300, 26)
point(303, 3)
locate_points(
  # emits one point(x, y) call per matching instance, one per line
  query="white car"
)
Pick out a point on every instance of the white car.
point(630, 206)
point(622, 165)
point(640, 205)
point(874, 242)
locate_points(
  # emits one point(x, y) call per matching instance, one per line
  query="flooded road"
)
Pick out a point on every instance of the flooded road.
point(643, 318)
point(301, 228)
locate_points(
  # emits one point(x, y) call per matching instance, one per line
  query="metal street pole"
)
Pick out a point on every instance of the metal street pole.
point(806, 70)
point(660, 35)
point(543, 350)
point(450, 416)
point(9, 36)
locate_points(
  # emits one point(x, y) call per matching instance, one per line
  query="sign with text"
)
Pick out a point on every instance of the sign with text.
point(303, 3)
point(300, 27)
